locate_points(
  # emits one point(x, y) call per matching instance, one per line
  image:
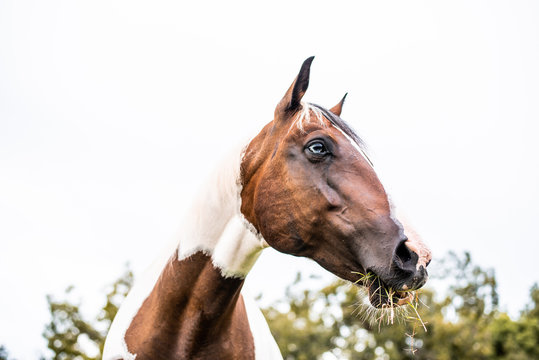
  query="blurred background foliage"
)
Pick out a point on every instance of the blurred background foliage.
point(70, 336)
point(462, 320)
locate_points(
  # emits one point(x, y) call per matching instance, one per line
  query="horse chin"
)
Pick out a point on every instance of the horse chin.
point(382, 296)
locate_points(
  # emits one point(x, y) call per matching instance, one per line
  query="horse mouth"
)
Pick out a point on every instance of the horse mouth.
point(381, 295)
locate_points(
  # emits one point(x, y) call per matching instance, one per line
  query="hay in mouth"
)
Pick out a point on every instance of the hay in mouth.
point(381, 295)
point(385, 304)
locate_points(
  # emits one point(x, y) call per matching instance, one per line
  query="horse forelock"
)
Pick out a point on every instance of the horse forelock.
point(304, 117)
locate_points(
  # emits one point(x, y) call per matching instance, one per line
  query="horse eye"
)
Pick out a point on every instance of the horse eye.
point(318, 148)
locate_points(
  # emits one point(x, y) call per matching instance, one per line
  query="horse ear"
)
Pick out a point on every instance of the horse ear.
point(337, 109)
point(292, 99)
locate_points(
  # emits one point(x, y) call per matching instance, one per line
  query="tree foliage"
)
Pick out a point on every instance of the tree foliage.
point(463, 324)
point(70, 336)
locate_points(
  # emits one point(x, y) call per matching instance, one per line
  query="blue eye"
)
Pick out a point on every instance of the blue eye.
point(318, 148)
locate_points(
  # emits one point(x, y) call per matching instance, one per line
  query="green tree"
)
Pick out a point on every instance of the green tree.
point(304, 329)
point(70, 336)
point(519, 339)
point(461, 325)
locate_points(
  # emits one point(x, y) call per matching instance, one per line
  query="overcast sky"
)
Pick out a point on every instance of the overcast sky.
point(113, 112)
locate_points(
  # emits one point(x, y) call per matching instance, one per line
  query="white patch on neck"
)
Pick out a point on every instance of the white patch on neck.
point(217, 227)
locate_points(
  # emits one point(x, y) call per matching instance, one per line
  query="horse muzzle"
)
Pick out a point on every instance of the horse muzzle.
point(408, 272)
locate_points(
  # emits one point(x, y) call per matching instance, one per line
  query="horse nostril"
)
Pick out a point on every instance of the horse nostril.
point(403, 253)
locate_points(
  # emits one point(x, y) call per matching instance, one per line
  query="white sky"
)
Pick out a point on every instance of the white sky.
point(112, 112)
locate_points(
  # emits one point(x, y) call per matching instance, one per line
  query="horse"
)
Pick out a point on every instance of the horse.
point(304, 186)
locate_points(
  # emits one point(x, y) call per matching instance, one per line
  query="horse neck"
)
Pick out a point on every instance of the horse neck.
point(191, 303)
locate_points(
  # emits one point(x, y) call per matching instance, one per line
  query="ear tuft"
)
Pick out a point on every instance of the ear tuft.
point(337, 109)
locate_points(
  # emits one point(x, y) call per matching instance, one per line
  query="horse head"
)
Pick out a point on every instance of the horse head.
point(310, 190)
